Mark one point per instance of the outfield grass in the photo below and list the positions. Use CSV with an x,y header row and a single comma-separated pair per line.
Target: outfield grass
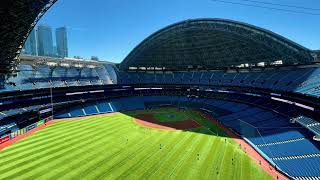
x,y
170,115
114,146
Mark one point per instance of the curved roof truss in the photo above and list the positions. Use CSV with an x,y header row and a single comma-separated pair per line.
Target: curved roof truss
x,y
18,18
214,44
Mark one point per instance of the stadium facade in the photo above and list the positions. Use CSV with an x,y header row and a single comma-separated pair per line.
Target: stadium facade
x,y
260,85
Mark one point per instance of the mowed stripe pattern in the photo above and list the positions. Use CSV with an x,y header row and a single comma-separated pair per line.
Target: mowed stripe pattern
x,y
114,147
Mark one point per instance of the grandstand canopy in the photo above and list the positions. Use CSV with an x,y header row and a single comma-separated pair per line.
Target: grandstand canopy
x,y
317,52
18,17
214,44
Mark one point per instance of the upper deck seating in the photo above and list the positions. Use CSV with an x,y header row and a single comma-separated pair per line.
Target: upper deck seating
x,y
299,80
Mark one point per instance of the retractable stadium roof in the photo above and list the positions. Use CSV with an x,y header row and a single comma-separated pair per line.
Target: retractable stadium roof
x,y
18,17
214,44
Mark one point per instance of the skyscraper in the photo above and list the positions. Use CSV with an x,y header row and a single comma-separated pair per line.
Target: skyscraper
x,y
62,42
55,52
45,43
30,46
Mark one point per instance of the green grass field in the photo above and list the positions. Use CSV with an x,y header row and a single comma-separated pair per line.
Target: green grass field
x,y
170,115
115,147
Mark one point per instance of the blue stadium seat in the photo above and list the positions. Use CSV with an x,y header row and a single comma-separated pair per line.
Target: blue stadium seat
x,y
77,111
104,107
90,109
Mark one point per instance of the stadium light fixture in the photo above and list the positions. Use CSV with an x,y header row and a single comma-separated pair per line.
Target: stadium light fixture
x,y
65,64
51,63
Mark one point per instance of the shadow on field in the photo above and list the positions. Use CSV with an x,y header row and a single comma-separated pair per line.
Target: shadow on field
x,y
171,118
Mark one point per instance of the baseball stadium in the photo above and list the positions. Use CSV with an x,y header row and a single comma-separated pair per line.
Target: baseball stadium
x,y
205,98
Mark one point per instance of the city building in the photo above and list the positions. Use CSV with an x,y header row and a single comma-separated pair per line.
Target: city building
x,y
62,42
30,46
96,58
45,43
55,52
40,42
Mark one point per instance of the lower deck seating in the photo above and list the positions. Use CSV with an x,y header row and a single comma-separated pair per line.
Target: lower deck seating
x,y
77,111
4,129
279,135
104,107
127,104
302,167
90,109
309,123
290,149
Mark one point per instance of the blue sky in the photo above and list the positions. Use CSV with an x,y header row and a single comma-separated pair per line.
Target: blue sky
x,y
110,29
